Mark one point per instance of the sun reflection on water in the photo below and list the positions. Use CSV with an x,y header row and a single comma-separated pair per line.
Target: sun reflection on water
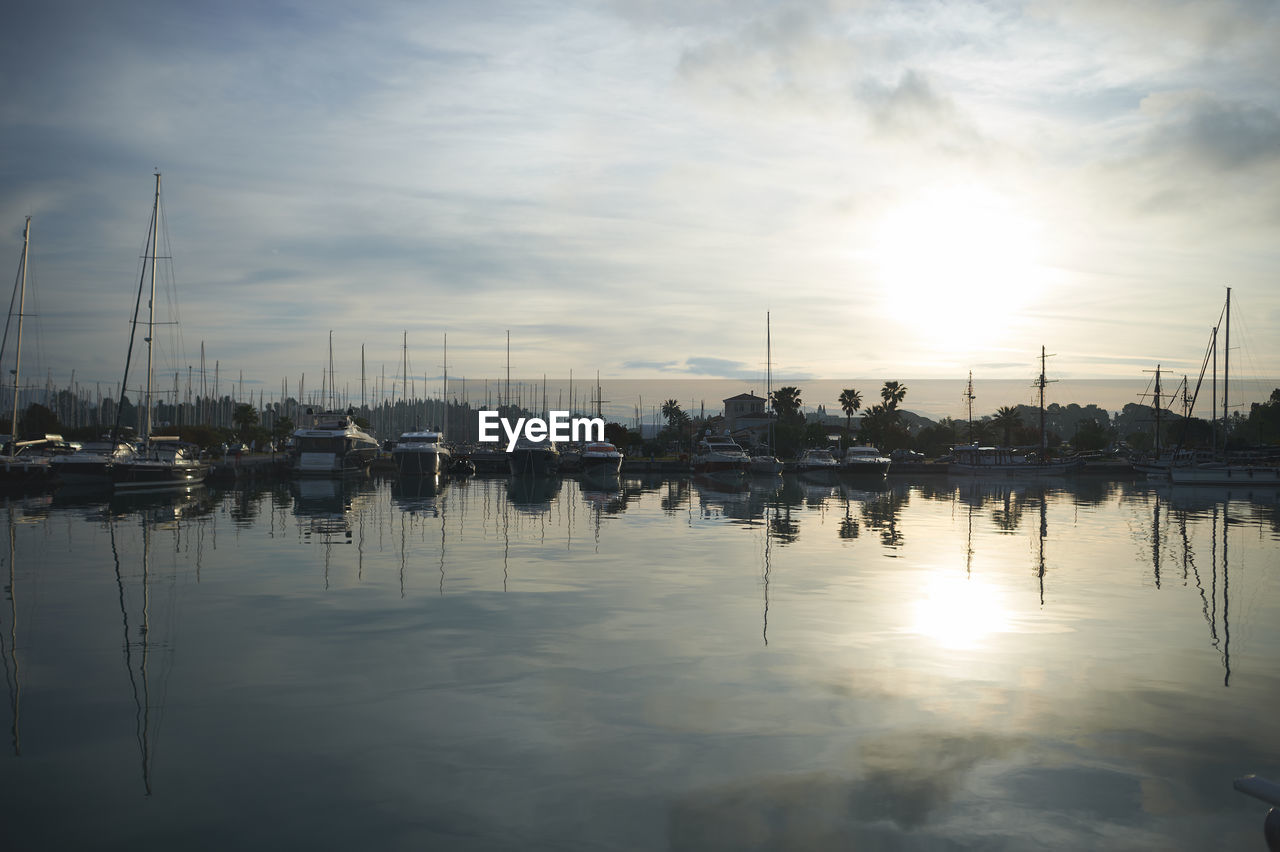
x,y
959,613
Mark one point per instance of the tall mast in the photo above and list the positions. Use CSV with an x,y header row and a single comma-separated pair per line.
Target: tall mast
x,y
17,364
444,422
1157,400
362,379
1213,392
768,377
332,379
969,398
151,304
1044,444
508,391
1226,368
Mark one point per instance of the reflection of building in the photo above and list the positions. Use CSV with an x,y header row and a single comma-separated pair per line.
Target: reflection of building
x,y
746,419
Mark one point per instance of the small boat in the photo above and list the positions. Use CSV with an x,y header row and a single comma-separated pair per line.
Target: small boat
x,y
719,454
600,458
421,453
161,462
817,461
332,446
864,461
533,458
763,464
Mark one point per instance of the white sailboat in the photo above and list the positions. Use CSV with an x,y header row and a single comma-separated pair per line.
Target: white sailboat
x,y
160,461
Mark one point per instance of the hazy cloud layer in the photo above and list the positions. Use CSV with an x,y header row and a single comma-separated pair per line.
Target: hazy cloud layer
x,y
909,188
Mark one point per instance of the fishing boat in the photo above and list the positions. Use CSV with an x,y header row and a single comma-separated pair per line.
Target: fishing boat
x,y
719,454
600,458
159,461
865,461
421,453
333,445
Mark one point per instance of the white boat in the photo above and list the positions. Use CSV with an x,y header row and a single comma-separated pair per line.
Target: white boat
x,y
864,461
332,446
719,454
163,462
158,462
817,461
764,464
600,458
421,453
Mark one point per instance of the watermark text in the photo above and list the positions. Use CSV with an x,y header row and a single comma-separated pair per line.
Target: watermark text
x,y
560,428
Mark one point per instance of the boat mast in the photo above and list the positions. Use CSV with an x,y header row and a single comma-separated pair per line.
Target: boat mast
x,y
17,363
768,377
1157,401
1226,367
969,398
444,423
1044,444
332,379
151,305
508,390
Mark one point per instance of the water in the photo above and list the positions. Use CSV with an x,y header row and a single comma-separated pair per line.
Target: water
x,y
655,664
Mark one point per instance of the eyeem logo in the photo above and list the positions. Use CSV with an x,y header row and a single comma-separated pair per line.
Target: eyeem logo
x,y
559,428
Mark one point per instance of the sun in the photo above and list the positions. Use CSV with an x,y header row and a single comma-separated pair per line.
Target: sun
x,y
957,263
959,613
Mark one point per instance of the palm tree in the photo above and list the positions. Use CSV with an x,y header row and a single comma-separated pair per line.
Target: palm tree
x,y
671,411
893,393
1006,418
786,402
850,401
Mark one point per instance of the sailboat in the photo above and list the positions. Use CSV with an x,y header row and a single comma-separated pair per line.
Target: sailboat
x,y
160,461
19,464
764,463
1224,471
1003,461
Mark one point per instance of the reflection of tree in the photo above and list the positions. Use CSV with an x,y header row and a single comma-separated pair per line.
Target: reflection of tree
x,y
1009,516
676,496
881,513
849,527
783,527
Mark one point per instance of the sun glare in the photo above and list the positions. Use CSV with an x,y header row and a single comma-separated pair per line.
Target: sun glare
x,y
956,264
958,612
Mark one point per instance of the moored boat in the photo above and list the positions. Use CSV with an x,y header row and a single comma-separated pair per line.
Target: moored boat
x,y
533,458
600,458
817,461
421,453
334,445
719,454
162,462
864,461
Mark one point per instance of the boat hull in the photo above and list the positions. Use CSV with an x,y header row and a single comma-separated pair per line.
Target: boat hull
x,y
1226,475
600,465
420,462
533,462
335,464
146,473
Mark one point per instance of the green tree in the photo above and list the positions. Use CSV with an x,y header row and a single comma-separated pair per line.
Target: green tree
x,y
674,414
1006,420
283,428
893,393
244,417
786,402
850,402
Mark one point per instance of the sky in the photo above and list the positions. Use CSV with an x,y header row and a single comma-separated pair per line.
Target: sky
x,y
910,190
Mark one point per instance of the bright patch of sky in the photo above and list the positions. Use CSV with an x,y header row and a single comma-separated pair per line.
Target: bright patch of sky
x,y
911,189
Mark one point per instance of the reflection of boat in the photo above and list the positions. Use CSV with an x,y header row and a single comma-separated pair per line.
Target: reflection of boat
x,y
333,445
864,461
532,493
600,458
534,458
719,454
420,453
417,493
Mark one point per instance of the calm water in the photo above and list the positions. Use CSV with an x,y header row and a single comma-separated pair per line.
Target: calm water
x,y
655,664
